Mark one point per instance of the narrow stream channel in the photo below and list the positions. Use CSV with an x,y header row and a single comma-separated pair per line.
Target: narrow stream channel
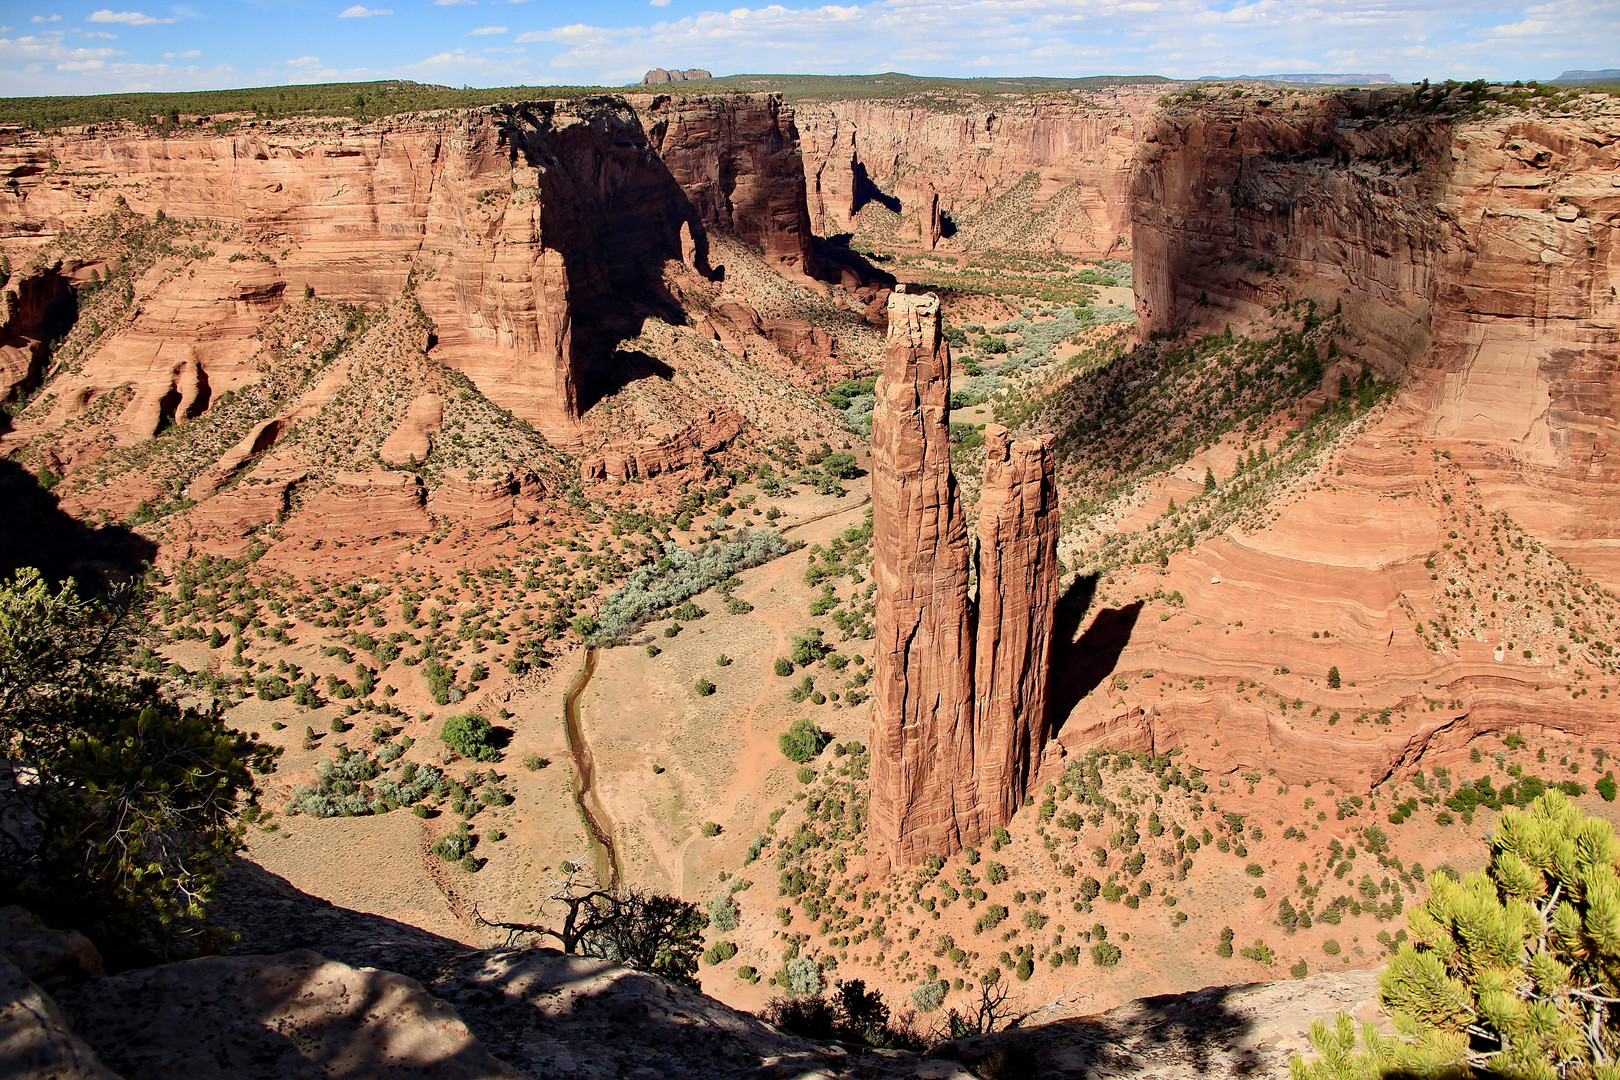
x,y
597,822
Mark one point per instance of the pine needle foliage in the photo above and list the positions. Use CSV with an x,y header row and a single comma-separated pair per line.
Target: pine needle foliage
x,y
1514,971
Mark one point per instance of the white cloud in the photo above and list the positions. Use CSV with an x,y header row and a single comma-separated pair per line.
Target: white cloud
x,y
45,18
358,12
128,18
483,30
659,3
304,62
454,3
100,35
1409,39
188,54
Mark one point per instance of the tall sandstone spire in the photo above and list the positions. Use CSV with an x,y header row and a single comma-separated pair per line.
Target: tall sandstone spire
x,y
922,775
947,768
1018,590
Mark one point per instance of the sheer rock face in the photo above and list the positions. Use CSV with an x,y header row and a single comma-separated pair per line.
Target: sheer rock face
x,y
922,775
1483,273
944,770
737,159
1018,592
33,309
537,235
1042,173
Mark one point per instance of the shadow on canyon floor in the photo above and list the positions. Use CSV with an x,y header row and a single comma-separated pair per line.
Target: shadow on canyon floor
x,y
1080,665
34,531
623,368
1173,1034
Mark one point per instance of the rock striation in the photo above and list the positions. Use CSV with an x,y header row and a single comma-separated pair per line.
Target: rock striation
x,y
961,686
535,236
34,308
924,797
1050,172
1473,255
645,458
737,159
1018,592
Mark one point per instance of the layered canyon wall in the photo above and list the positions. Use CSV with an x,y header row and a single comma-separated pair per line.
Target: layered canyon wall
x,y
1049,173
1473,254
535,236
961,685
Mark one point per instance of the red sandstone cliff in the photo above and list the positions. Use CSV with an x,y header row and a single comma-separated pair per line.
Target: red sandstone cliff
x,y
1472,253
961,688
1050,172
536,236
737,159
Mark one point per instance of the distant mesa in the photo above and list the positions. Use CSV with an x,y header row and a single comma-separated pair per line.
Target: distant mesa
x,y
659,76
1603,75
1343,79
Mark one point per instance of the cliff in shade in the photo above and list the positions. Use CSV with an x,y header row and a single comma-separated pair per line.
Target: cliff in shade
x,y
737,160
535,236
1041,174
961,687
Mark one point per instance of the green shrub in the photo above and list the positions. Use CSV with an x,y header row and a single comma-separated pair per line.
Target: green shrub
x,y
709,828
1331,947
723,913
1105,954
803,741
469,735
719,953
929,995
784,666
703,687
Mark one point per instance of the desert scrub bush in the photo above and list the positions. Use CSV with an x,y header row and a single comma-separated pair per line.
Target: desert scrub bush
x,y
803,741
710,828
703,687
783,666
929,995
1259,952
1511,971
470,735
457,846
1105,954
719,953
723,914
802,977
534,762
679,574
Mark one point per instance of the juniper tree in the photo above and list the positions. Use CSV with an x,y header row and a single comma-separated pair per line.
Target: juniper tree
x,y
1513,971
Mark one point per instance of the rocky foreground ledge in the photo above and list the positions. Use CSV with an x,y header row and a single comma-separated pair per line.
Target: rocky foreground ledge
x,y
440,1011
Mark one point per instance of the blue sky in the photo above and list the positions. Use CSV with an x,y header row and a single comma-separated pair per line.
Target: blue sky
x,y
69,47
